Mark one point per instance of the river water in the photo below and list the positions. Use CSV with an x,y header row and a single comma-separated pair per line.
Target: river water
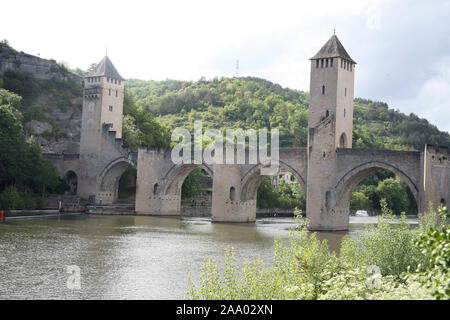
x,y
129,257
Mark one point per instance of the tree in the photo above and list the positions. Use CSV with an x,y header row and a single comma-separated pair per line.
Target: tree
x,y
360,201
394,191
12,140
192,184
267,196
21,161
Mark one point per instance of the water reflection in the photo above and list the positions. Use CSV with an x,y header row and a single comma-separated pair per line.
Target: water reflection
x,y
127,257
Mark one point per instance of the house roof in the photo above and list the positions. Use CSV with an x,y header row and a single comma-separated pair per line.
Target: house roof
x,y
333,48
105,68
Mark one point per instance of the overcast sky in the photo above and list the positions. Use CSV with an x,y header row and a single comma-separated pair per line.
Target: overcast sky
x,y
402,47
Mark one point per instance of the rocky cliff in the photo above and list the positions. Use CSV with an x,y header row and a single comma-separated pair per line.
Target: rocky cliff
x,y
52,98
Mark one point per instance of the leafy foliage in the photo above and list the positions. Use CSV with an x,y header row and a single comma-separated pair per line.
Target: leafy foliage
x,y
141,129
192,184
286,196
307,269
434,242
257,103
21,160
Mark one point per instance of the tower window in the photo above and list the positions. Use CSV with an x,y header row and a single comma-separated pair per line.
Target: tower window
x,y
343,141
326,63
321,63
109,91
345,93
331,63
323,89
110,108
317,64
344,112
351,67
232,193
342,63
116,93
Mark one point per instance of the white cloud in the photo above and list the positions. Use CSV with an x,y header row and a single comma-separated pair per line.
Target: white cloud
x,y
433,98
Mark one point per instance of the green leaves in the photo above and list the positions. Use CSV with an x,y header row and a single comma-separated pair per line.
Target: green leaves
x,y
305,268
286,196
434,242
21,161
192,184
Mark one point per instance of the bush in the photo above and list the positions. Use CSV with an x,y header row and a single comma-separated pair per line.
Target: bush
x,y
377,265
389,245
29,201
40,203
435,243
360,201
11,198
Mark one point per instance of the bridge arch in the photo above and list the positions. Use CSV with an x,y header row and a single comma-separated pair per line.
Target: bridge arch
x,y
252,179
109,179
346,184
176,175
71,179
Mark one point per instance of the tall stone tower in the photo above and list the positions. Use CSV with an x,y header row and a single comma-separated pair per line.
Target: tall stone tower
x,y
330,126
102,112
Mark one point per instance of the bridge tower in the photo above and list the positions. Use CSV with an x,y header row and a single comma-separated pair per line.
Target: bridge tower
x,y
330,126
101,115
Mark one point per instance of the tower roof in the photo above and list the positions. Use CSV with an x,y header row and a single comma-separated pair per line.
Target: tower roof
x,y
333,48
105,68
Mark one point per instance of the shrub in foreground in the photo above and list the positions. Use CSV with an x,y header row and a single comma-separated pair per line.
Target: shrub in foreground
x,y
376,265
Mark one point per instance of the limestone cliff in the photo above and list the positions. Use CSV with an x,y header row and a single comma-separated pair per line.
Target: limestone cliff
x,y
52,98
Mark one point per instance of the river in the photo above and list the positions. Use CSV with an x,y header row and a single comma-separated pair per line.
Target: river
x,y
129,257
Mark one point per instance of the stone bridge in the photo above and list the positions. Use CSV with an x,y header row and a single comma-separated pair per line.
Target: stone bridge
x,y
159,180
328,169
235,186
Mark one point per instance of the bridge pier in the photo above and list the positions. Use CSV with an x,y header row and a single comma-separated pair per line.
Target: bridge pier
x,y
227,205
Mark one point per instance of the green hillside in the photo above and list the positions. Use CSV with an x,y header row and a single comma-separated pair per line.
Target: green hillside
x,y
258,103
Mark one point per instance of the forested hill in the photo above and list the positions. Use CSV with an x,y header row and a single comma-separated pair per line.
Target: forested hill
x,y
257,103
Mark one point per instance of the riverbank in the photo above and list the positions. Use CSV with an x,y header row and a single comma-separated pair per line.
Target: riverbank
x,y
35,214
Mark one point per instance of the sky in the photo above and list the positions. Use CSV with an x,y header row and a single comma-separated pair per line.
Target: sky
x,y
402,47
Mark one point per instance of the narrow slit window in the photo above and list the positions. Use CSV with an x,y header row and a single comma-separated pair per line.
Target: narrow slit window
x,y
232,193
323,89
